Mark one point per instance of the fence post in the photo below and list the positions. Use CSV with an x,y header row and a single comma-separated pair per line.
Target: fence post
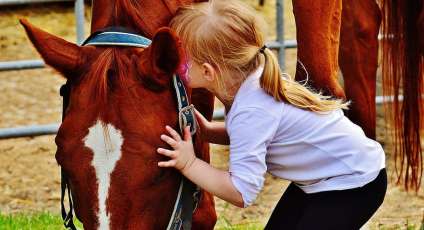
x,y
79,18
280,33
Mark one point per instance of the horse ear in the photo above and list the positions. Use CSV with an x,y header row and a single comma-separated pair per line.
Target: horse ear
x,y
166,52
62,55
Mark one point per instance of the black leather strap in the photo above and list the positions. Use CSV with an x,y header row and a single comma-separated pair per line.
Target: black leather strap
x,y
67,217
191,192
185,110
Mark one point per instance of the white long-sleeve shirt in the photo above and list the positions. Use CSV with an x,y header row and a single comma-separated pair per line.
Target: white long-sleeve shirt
x,y
318,152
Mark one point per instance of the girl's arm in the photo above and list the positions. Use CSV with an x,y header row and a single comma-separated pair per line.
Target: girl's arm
x,y
213,180
213,132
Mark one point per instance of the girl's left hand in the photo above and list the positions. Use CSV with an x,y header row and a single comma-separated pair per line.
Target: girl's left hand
x,y
182,155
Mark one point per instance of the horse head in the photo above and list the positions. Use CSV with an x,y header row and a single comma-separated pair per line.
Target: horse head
x,y
121,98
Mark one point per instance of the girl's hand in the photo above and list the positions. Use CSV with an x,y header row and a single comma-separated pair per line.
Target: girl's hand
x,y
212,131
204,124
182,155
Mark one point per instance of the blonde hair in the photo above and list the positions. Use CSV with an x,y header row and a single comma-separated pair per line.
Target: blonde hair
x,y
227,34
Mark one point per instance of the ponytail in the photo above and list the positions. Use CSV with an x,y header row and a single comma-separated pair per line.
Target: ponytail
x,y
291,91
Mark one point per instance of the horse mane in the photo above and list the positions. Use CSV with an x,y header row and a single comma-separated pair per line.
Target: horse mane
x,y
403,73
144,17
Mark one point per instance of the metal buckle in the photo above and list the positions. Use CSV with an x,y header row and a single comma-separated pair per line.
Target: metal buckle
x,y
183,119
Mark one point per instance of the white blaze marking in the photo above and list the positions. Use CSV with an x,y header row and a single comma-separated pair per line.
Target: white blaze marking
x,y
105,141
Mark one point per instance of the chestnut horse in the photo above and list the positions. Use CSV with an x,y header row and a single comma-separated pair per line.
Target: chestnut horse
x,y
120,101
345,33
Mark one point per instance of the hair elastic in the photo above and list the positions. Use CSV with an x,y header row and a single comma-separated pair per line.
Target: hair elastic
x,y
262,49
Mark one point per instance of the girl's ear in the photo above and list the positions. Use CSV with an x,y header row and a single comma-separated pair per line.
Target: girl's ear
x,y
166,52
208,72
62,55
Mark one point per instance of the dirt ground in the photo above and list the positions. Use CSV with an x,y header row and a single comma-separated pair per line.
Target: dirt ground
x,y
29,175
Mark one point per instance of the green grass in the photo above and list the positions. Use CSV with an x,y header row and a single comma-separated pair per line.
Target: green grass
x,y
47,221
37,221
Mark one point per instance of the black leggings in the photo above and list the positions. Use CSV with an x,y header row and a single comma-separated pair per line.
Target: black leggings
x,y
341,210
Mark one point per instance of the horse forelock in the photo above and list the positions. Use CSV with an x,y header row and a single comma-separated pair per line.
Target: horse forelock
x,y
111,70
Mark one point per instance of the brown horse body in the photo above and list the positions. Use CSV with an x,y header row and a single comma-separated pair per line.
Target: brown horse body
x,y
121,99
345,33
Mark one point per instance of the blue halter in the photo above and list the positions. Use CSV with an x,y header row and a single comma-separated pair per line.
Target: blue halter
x,y
116,38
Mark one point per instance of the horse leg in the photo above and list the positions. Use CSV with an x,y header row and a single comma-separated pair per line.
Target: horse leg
x,y
318,33
421,30
358,60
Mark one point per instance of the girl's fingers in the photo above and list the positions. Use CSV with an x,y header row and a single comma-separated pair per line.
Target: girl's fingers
x,y
187,134
197,112
199,116
170,163
166,152
173,133
169,140
202,121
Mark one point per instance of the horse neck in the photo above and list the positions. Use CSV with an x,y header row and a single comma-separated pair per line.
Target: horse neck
x,y
143,17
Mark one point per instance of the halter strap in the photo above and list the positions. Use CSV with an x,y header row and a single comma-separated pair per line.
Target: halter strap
x,y
188,193
114,38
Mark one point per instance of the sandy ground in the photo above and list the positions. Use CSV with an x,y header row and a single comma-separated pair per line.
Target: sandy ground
x,y
29,175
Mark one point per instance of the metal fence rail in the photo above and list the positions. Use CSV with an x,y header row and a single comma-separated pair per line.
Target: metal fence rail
x,y
21,65
34,64
32,130
36,130
22,2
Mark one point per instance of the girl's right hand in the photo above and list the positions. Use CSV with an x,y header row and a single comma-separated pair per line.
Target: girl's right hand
x,y
212,131
204,124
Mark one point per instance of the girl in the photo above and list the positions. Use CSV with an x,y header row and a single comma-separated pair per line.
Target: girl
x,y
273,124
